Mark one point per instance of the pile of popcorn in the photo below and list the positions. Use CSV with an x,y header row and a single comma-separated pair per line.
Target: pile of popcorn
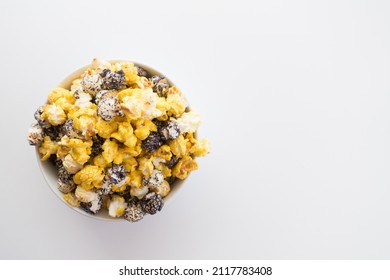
x,y
119,138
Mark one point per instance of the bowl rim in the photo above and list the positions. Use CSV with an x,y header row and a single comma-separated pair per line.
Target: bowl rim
x,y
44,165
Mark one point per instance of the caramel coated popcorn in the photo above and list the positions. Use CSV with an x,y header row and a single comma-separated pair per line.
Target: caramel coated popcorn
x,y
120,138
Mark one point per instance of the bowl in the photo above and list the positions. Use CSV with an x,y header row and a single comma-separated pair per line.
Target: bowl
x,y
49,171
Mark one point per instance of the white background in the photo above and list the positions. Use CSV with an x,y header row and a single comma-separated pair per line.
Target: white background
x,y
294,97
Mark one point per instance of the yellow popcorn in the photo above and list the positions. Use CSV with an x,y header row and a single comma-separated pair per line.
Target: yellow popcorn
x,y
58,93
200,148
163,152
176,100
84,120
142,132
48,148
131,73
85,111
166,171
184,167
128,92
125,135
54,114
191,138
64,104
143,123
90,176
110,150
86,125
136,179
71,199
179,146
130,163
100,161
77,148
163,105
121,187
144,83
76,84
104,128
146,166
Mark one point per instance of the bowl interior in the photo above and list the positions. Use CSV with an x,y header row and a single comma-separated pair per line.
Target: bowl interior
x,y
49,171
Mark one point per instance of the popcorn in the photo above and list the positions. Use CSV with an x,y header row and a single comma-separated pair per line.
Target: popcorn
x,y
134,213
84,100
117,206
100,161
142,132
163,152
179,146
77,148
136,179
89,177
139,192
154,180
189,122
90,201
47,148
71,199
38,117
152,203
120,137
59,93
115,180
71,165
84,195
92,83
92,207
54,114
104,128
183,167
163,189
146,166
131,73
176,101
141,104
35,134
69,129
109,107
200,148
165,170
110,150
113,80
125,135
160,85
100,64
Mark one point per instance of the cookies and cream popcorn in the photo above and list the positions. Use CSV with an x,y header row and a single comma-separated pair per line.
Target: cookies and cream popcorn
x,y
35,135
108,105
120,136
92,83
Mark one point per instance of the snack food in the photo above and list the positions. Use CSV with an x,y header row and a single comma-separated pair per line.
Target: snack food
x,y
119,138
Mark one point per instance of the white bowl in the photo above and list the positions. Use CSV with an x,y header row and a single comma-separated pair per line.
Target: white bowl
x,y
49,171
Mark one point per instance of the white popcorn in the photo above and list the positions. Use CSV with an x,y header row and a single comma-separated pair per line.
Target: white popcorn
x,y
141,104
85,195
71,165
117,206
189,122
139,192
